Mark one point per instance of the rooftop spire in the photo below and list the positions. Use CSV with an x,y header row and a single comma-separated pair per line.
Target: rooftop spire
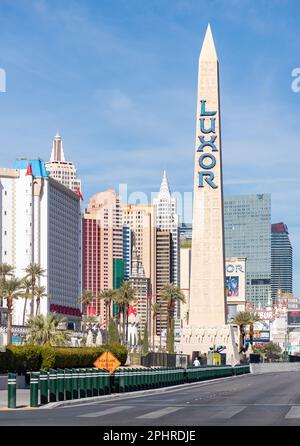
x,y
164,186
57,153
208,51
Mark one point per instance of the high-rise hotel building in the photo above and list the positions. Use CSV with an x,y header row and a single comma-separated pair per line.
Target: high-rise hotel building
x,y
103,266
167,219
141,220
247,220
41,223
282,259
61,170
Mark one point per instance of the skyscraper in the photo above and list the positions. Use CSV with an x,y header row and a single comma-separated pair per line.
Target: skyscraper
x,y
282,260
103,267
140,218
41,223
167,219
127,250
61,170
141,286
163,275
248,234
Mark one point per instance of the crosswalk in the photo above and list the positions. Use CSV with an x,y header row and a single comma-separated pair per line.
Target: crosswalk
x,y
215,412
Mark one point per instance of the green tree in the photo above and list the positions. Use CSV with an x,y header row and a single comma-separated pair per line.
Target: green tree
x,y
113,334
170,338
44,330
242,319
86,299
5,270
125,295
155,310
253,317
107,296
10,290
171,294
35,272
145,340
40,292
26,283
270,351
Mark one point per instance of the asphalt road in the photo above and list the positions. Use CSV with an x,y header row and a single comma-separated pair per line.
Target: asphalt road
x,y
271,399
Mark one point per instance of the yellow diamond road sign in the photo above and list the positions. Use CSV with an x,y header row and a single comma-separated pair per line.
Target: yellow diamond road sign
x,y
108,362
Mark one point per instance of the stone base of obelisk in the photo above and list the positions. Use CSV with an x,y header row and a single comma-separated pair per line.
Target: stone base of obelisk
x,y
200,339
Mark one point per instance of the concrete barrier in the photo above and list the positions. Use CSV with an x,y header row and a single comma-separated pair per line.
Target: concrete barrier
x,y
274,367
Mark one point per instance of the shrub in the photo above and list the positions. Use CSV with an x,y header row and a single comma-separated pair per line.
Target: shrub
x,y
20,358
34,358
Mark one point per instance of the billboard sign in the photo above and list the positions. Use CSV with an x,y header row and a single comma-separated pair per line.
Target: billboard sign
x,y
266,315
232,285
294,318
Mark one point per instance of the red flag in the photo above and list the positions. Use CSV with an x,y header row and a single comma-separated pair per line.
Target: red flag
x,y
29,170
92,311
131,310
77,192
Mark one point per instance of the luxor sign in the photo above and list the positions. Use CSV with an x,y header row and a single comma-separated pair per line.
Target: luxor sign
x,y
207,160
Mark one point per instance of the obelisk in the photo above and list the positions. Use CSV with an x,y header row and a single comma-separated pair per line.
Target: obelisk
x,y
206,324
207,292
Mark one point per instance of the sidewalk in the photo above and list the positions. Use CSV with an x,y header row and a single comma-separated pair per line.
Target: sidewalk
x,y
23,398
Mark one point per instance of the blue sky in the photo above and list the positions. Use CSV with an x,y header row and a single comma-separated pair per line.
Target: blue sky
x,y
118,79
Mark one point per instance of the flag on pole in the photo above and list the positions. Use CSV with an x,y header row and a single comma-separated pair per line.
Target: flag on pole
x,y
77,192
29,170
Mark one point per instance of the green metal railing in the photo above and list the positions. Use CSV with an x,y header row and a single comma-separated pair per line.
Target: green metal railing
x,y
67,384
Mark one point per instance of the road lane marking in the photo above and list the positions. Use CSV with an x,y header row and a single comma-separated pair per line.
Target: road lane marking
x,y
294,412
105,412
229,412
159,413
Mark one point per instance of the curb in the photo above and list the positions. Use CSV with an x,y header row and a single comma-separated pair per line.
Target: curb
x,y
136,394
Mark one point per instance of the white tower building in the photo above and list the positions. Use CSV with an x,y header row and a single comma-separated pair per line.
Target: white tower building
x,y
167,219
41,223
61,170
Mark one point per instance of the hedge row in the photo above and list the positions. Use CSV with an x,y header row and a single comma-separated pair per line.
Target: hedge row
x,y
33,358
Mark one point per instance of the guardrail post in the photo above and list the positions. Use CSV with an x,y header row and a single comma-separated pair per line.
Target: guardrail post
x,y
34,389
61,384
75,384
82,384
52,385
88,383
95,389
11,390
44,387
68,384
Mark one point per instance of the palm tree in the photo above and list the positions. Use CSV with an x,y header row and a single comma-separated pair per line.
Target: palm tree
x,y
5,270
155,310
125,295
34,271
253,317
86,299
171,294
26,285
10,290
39,293
43,330
242,319
108,296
